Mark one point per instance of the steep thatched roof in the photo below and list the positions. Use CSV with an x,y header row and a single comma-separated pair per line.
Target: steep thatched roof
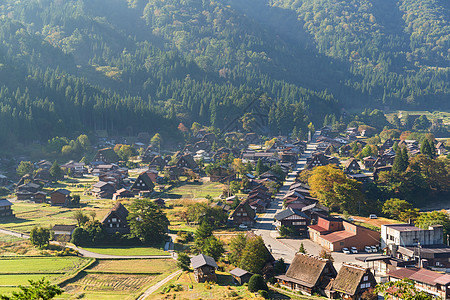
x,y
307,269
348,279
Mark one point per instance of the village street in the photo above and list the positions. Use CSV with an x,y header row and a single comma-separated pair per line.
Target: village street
x,y
286,248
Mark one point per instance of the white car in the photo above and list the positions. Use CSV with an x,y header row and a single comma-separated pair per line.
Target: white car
x,y
354,250
243,226
373,216
368,249
345,250
374,249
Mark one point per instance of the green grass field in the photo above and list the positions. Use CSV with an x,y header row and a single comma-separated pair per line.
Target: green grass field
x,y
198,191
6,238
128,251
41,265
18,271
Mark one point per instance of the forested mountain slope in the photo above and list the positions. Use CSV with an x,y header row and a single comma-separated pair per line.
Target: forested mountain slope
x,y
70,66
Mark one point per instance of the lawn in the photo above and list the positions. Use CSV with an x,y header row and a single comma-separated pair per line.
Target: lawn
x,y
114,279
128,251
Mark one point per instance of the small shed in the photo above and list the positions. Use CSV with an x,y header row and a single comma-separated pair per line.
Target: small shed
x,y
60,197
64,231
241,276
204,268
5,208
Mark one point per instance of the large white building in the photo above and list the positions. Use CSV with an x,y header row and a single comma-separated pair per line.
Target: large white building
x,y
410,235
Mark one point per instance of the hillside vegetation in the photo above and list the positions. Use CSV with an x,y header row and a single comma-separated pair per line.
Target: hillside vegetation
x,y
145,65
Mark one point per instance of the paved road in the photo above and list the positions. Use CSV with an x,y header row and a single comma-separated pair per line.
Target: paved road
x,y
152,289
286,248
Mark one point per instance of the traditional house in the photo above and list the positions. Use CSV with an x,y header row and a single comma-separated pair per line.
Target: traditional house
x,y
43,164
258,205
240,276
143,183
187,162
378,170
294,219
106,155
40,197
60,197
63,232
225,207
308,274
122,193
368,162
440,148
104,190
433,283
351,166
243,214
334,234
345,150
5,208
314,211
116,220
204,268
158,162
318,159
351,282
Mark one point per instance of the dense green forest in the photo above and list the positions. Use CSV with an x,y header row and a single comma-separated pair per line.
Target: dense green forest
x,y
74,66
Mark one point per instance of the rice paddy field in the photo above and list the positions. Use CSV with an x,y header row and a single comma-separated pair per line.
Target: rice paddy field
x,y
118,279
17,271
127,251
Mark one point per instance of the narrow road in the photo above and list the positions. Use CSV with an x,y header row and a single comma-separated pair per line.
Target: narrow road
x,y
153,288
265,227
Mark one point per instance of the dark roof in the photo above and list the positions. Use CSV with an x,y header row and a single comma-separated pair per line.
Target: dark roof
x,y
119,210
315,205
307,269
64,227
289,212
62,191
250,212
239,272
147,180
202,260
348,279
5,202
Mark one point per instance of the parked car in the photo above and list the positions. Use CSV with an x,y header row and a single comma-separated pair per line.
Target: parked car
x,y
373,216
345,250
354,250
243,226
368,249
374,249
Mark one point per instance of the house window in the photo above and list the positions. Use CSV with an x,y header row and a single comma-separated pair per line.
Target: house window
x,y
244,214
341,243
365,285
298,223
238,214
114,220
366,278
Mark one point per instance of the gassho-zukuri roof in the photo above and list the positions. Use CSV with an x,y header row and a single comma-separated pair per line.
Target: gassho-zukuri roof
x,y
239,272
305,270
348,279
64,227
202,260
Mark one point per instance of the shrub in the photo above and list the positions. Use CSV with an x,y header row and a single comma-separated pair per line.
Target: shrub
x,y
257,283
264,293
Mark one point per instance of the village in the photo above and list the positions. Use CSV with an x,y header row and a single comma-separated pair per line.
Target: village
x,y
234,216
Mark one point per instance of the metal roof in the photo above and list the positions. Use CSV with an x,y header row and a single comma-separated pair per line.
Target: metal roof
x,y
5,202
239,272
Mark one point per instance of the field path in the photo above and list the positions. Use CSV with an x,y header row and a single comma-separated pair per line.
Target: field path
x,y
152,289
86,253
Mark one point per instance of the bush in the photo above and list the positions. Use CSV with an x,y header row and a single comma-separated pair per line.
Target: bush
x,y
263,293
257,283
183,261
